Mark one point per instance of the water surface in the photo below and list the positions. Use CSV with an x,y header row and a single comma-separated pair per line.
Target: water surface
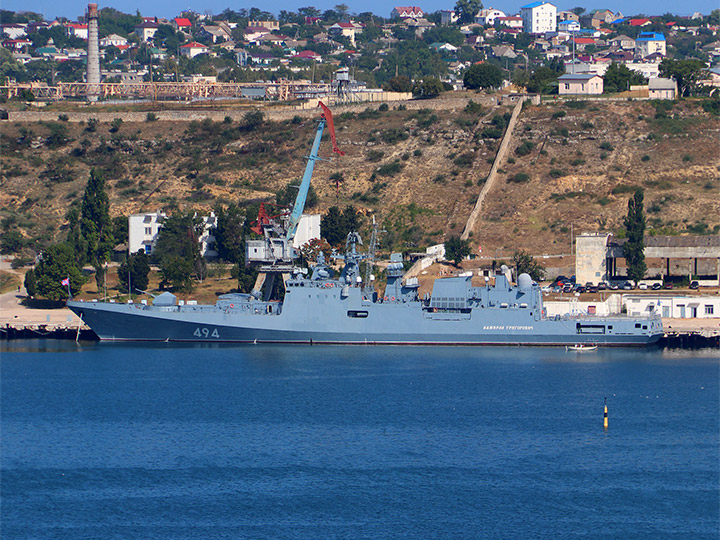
x,y
107,441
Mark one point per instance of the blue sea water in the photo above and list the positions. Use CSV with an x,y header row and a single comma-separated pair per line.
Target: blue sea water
x,y
164,442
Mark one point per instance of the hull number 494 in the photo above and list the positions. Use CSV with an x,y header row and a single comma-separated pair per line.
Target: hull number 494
x,y
206,333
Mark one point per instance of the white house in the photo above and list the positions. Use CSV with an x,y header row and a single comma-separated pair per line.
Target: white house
x,y
539,17
580,83
14,31
648,43
676,307
192,49
568,26
77,30
113,40
510,21
143,230
660,88
146,30
488,16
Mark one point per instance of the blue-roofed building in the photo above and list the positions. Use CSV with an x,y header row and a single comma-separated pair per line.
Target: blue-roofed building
x,y
568,26
539,17
648,43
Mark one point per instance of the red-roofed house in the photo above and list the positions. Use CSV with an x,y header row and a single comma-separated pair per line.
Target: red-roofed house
x,y
404,12
16,44
347,29
639,22
77,30
192,49
308,55
582,42
182,23
312,20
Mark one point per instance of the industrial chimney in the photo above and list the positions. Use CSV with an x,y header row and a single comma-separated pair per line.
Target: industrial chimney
x,y
93,54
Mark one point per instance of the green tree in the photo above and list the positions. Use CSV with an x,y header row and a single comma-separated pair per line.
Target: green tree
x,y
467,10
484,76
619,78
30,283
96,226
177,251
543,80
430,87
232,228
634,247
335,224
137,269
58,262
685,72
120,229
456,249
401,83
525,264
12,242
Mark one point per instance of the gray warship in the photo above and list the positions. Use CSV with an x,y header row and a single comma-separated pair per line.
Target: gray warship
x,y
321,306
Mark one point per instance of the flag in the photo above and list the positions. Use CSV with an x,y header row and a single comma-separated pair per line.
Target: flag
x,y
66,282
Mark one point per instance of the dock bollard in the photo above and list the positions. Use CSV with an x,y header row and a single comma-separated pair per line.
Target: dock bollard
x,y
605,417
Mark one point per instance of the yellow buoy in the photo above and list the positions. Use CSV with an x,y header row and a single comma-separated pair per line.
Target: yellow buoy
x,y
605,417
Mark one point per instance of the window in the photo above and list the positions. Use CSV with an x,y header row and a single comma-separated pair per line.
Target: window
x,y
709,310
357,314
148,230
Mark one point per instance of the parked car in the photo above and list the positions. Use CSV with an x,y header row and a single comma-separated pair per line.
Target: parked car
x,y
656,286
614,287
694,285
627,286
557,289
602,286
668,285
580,289
567,288
592,289
643,286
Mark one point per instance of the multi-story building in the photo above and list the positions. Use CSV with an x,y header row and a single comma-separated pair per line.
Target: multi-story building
x,y
539,17
648,43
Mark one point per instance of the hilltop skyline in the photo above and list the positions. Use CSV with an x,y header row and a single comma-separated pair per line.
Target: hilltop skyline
x,y
72,9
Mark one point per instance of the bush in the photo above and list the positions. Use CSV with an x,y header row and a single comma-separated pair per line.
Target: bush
x,y
576,104
623,188
92,124
525,148
373,156
687,158
473,108
115,125
464,160
491,133
606,146
645,158
390,169
383,107
556,173
394,135
559,114
519,178
63,118
151,117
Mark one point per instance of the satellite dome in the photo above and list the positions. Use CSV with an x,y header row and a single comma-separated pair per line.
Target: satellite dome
x,y
525,281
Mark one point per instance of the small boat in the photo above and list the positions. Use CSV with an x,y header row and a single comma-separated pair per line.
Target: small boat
x,y
581,347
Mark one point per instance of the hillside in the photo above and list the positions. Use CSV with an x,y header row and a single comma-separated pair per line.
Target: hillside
x,y
418,170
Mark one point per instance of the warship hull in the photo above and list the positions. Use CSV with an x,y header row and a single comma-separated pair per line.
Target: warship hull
x,y
321,314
